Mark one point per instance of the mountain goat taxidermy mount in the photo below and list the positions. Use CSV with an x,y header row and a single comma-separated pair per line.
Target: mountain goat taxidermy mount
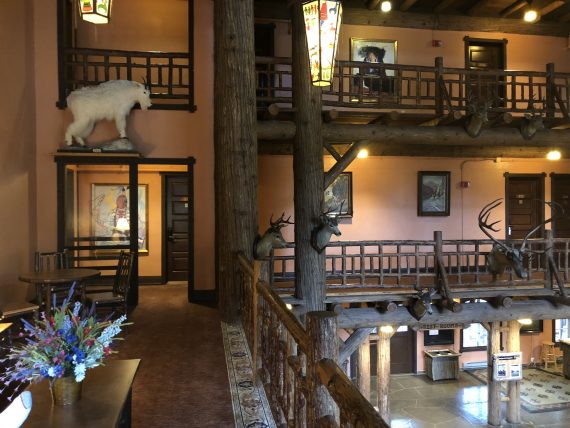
x,y
272,238
328,224
112,100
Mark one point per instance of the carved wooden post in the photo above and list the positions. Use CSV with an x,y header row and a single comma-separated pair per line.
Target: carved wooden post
x,y
363,368
322,330
514,387
254,315
549,251
493,386
385,333
438,92
308,171
235,146
550,91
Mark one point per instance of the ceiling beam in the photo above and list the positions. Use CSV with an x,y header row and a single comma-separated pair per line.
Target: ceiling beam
x,y
407,4
359,16
551,7
471,313
373,4
478,7
443,5
509,10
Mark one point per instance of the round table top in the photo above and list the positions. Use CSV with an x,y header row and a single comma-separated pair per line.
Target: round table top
x,y
59,276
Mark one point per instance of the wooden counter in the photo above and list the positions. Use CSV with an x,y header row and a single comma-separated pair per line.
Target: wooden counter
x,y
105,400
441,364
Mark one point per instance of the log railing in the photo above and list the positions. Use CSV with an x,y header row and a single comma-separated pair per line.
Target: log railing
x,y
297,365
399,268
169,74
438,88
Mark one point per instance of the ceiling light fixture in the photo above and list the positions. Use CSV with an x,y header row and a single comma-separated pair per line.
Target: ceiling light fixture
x,y
554,155
386,6
525,321
530,16
362,154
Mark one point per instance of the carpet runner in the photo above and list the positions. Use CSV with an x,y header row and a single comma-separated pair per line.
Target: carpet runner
x,y
540,391
251,409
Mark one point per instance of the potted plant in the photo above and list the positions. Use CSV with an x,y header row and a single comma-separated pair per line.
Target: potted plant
x,y
61,348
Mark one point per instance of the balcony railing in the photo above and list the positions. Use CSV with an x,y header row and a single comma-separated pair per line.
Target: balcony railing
x,y
169,74
437,88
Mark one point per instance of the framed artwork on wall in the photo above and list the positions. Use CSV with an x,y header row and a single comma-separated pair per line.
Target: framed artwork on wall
x,y
110,214
338,194
433,193
371,80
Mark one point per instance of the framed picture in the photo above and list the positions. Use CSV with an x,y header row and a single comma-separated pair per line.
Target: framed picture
x,y
110,214
338,196
433,193
371,80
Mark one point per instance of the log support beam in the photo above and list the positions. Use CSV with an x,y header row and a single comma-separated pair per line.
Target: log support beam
x,y
514,387
385,333
493,386
353,342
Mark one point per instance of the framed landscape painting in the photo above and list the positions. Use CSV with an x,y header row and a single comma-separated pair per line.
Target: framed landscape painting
x,y
338,196
433,193
110,215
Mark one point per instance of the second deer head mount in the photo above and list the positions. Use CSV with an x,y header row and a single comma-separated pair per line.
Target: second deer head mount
x,y
272,238
503,255
533,121
477,117
328,225
421,304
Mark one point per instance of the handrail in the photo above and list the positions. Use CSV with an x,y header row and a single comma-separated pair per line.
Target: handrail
x,y
288,366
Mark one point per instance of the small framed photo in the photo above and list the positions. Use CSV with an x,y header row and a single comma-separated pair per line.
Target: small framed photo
x,y
433,193
338,196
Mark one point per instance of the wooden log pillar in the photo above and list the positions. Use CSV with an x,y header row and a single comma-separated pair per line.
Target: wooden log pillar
x,y
385,333
363,369
514,387
550,92
308,171
438,91
493,386
235,147
322,331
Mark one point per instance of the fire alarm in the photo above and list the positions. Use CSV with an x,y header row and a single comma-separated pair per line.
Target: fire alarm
x,y
437,43
464,184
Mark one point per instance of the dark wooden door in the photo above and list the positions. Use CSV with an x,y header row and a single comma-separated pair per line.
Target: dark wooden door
x,y
525,204
177,201
561,195
483,54
402,353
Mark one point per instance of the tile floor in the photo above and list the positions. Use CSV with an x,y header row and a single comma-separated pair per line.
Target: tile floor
x,y
418,402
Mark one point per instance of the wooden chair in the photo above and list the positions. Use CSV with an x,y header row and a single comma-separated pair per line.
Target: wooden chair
x,y
117,298
47,261
12,311
548,354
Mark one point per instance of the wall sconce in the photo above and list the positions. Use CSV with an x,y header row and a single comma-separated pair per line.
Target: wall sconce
x,y
322,23
95,11
362,154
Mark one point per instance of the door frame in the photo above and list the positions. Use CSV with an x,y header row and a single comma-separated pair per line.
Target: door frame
x,y
554,183
540,176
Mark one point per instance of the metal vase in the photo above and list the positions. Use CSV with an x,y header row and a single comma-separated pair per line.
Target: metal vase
x,y
65,391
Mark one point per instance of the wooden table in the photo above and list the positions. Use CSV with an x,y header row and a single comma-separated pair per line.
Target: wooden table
x,y
47,278
105,400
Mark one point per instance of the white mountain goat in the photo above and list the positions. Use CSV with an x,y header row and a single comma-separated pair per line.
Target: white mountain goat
x,y
112,100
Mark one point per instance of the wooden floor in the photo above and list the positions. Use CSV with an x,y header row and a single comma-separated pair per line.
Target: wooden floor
x,y
182,380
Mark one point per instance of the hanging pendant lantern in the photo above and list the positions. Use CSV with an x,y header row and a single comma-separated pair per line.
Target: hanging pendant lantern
x,y
95,11
322,23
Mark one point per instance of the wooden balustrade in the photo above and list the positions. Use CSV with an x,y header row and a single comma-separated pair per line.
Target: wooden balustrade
x,y
297,367
385,270
435,88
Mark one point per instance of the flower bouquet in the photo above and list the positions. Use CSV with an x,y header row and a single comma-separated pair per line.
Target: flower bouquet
x,y
61,347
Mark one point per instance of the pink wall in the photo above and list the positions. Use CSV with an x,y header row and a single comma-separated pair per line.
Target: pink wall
x,y
17,145
156,133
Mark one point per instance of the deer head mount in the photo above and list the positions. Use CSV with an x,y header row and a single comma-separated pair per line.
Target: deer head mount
x,y
503,255
421,304
533,121
328,224
477,117
272,238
